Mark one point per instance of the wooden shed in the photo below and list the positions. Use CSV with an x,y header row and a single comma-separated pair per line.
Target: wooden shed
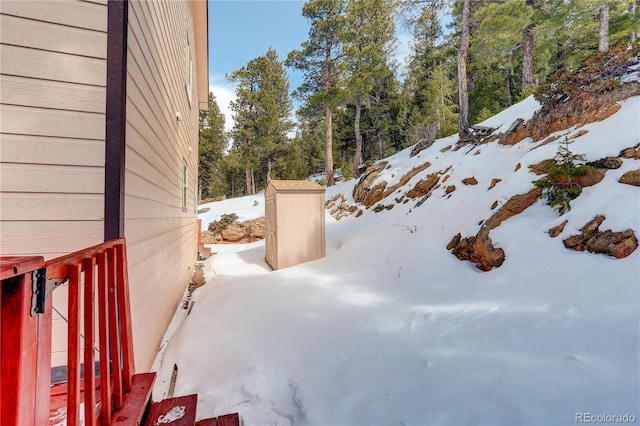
x,y
294,217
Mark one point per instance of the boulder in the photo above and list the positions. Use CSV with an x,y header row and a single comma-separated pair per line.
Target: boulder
x,y
365,192
632,177
233,233
478,250
557,230
591,239
470,181
609,163
515,205
424,186
494,182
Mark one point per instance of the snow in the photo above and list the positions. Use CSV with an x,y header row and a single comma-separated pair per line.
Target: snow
x,y
391,328
175,413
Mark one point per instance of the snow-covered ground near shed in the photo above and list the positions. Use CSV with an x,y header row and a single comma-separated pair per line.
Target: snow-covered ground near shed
x,y
390,328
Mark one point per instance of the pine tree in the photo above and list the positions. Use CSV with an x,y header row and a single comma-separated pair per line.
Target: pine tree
x,y
559,188
262,116
369,43
211,150
320,58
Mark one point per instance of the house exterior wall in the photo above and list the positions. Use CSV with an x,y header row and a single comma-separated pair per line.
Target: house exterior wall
x,y
294,222
52,126
162,139
52,144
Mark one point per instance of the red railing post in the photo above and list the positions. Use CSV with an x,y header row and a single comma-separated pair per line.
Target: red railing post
x,y
73,352
24,386
124,307
114,336
89,343
25,345
103,331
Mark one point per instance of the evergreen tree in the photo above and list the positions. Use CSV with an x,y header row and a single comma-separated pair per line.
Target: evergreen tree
x,y
319,58
262,117
430,78
211,149
368,44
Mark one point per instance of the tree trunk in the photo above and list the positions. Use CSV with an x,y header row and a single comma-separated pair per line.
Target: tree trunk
x,y
248,176
527,58
508,79
269,167
604,27
463,94
357,157
328,82
633,15
380,144
329,146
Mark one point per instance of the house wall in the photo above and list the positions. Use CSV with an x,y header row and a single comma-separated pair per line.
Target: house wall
x,y
162,137
52,145
52,126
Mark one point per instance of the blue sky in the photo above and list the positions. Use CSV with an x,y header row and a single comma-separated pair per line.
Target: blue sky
x,y
242,30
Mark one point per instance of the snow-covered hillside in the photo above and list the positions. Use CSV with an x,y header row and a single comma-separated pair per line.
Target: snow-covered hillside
x,y
391,328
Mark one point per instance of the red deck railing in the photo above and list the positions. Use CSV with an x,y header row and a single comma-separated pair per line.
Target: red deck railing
x,y
25,326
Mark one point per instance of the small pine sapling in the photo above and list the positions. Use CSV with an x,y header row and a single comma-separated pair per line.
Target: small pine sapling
x,y
559,188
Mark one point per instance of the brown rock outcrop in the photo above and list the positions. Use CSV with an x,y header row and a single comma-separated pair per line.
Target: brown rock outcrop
x,y
494,182
229,230
424,186
479,250
591,239
608,163
557,230
515,205
576,112
364,192
632,177
367,195
590,178
633,152
470,181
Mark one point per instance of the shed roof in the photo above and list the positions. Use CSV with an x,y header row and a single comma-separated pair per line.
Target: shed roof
x,y
296,186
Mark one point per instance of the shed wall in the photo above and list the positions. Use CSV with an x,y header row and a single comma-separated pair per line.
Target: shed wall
x,y
295,223
300,228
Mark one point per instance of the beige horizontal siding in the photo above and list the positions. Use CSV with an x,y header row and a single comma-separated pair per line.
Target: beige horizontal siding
x,y
24,91
19,31
78,14
52,94
55,207
30,178
55,238
161,237
50,122
51,150
46,65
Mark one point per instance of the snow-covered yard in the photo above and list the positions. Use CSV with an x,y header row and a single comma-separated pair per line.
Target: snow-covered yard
x,y
390,328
